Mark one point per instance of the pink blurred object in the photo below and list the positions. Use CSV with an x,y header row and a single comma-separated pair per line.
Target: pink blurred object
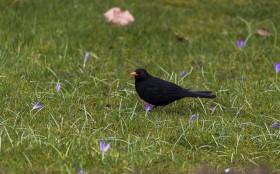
x,y
116,16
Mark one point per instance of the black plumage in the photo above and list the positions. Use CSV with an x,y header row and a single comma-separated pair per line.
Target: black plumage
x,y
159,92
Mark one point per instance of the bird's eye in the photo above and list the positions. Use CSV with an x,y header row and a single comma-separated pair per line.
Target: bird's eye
x,y
142,73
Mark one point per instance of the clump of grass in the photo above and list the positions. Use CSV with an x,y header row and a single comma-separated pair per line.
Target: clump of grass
x,y
46,44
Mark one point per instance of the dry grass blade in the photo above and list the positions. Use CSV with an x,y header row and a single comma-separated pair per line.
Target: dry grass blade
x,y
181,38
263,32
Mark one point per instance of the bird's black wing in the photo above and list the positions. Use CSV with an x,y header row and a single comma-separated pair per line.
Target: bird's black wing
x,y
159,92
171,89
158,86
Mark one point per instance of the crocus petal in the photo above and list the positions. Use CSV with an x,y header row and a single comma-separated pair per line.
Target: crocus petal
x,y
277,67
240,43
192,117
107,147
57,87
37,106
148,107
81,172
183,73
275,125
86,57
102,145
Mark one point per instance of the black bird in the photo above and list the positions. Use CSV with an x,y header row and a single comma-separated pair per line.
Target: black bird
x,y
159,92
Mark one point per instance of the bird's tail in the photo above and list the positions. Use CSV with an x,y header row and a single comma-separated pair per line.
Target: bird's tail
x,y
200,94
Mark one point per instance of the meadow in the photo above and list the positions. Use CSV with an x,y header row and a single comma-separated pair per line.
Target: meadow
x,y
43,45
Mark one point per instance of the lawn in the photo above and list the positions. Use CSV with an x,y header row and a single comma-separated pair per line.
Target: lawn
x,y
43,44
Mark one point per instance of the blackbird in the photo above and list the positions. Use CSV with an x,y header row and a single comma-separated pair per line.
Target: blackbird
x,y
159,92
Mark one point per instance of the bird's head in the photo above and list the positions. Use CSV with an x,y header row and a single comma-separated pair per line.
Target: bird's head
x,y
140,74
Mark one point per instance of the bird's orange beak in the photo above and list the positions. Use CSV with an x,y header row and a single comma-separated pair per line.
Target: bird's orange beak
x,y
134,73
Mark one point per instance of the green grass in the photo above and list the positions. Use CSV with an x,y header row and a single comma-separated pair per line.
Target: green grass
x,y
44,42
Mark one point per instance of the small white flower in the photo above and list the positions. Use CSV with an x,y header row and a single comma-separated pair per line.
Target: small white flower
x,y
227,170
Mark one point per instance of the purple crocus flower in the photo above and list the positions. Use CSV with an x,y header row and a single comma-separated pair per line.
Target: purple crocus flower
x,y
148,107
192,117
57,87
275,125
104,148
277,67
37,106
86,57
81,172
183,73
240,43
